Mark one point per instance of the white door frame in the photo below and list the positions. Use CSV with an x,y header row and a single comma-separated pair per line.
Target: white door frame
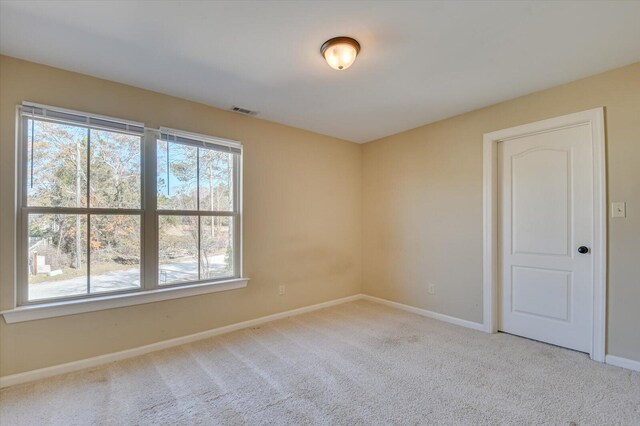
x,y
595,119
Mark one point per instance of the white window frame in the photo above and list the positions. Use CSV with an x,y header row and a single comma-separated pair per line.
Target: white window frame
x,y
205,142
150,290
24,210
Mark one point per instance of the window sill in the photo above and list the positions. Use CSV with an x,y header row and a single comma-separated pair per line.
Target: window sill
x,y
71,307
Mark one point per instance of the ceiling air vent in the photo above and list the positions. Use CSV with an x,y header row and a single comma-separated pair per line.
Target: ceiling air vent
x,y
243,110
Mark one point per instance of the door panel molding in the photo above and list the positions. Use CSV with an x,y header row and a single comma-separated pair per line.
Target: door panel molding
x,y
565,288
517,163
594,118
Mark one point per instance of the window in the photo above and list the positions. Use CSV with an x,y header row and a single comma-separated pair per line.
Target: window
x,y
109,207
197,209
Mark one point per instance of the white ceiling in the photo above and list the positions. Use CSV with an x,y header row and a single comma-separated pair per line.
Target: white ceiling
x,y
420,61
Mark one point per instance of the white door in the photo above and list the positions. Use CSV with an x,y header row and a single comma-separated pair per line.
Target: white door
x,y
545,196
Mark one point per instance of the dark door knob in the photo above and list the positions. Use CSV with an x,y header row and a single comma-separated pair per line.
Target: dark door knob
x,y
583,249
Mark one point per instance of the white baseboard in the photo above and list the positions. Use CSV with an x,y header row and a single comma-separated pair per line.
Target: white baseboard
x,y
69,367
622,362
426,313
97,361
82,364
609,359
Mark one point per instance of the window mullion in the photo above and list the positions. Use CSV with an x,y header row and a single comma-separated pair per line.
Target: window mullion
x,y
22,249
195,213
88,254
88,214
197,178
150,216
237,220
199,217
23,260
199,248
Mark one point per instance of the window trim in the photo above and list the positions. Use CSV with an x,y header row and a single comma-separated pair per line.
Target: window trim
x,y
27,111
150,289
59,308
204,142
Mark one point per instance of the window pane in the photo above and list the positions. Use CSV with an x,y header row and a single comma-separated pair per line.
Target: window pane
x,y
177,176
56,164
115,170
177,249
216,247
216,180
57,255
115,253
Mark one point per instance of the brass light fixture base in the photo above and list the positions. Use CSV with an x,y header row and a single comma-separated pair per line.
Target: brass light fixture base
x,y
336,40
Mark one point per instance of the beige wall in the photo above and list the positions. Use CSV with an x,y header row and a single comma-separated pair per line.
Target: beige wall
x,y
326,217
302,220
422,203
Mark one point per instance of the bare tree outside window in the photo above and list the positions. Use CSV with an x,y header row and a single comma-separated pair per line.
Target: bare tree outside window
x,y
72,172
198,181
88,225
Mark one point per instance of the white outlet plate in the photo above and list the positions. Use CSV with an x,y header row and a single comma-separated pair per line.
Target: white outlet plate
x,y
619,209
281,290
431,288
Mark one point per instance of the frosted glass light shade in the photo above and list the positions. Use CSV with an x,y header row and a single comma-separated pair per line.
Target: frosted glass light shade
x,y
340,52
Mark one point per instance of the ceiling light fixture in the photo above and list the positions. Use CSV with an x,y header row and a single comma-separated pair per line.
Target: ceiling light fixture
x,y
340,52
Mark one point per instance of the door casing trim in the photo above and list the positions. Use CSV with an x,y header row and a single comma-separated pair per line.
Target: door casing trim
x,y
595,119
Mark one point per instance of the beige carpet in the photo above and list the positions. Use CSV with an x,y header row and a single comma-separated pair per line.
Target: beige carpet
x,y
354,364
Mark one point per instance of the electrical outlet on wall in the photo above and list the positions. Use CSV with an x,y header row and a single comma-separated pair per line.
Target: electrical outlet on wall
x,y
281,290
431,288
619,209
